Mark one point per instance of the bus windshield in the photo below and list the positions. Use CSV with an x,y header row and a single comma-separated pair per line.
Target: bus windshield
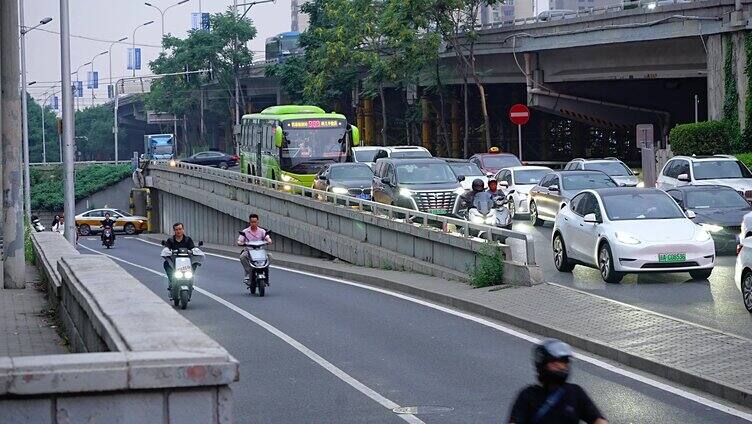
x,y
307,150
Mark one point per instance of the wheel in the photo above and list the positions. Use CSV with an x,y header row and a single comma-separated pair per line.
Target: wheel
x,y
511,206
606,265
223,165
253,286
183,299
176,301
108,246
701,274
84,230
561,260
537,222
262,289
747,290
130,229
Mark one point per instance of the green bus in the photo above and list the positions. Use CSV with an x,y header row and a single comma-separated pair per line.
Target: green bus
x,y
294,142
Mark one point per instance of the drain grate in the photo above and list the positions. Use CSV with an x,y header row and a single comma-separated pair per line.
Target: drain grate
x,y
422,410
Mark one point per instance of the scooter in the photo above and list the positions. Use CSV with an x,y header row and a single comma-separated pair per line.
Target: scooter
x,y
259,278
489,210
108,238
184,262
37,224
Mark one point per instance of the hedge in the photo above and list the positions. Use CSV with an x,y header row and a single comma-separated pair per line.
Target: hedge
x,y
701,138
47,185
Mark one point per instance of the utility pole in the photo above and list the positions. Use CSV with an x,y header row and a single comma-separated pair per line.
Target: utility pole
x,y
68,125
14,266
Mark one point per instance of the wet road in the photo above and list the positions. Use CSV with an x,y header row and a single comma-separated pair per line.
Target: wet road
x,y
400,351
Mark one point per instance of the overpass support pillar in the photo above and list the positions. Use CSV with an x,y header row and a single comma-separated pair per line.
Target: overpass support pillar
x,y
727,79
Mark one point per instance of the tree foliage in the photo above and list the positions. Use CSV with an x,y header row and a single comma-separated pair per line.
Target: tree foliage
x,y
35,132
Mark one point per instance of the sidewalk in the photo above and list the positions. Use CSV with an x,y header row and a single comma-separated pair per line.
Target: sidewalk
x,y
686,353
25,330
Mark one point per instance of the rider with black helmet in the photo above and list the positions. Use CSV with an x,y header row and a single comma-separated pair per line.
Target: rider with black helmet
x,y
554,401
467,198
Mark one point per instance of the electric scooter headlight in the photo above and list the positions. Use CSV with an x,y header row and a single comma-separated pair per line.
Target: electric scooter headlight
x,y
491,220
188,274
476,218
178,274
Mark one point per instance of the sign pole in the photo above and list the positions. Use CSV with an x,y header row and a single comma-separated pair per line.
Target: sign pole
x,y
519,140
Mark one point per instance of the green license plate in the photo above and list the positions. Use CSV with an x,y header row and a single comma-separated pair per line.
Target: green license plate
x,y
438,211
672,257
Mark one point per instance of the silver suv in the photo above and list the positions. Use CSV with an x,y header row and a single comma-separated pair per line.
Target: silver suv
x,y
613,167
706,170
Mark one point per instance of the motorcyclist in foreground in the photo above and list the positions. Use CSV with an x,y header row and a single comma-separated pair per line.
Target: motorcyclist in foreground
x,y
252,233
466,200
177,241
493,186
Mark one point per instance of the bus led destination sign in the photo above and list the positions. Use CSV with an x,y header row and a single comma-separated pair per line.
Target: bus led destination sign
x,y
315,123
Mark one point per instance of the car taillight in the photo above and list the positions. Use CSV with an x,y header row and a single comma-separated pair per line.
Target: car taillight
x,y
235,158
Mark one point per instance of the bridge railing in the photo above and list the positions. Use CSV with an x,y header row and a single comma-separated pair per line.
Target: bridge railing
x,y
429,221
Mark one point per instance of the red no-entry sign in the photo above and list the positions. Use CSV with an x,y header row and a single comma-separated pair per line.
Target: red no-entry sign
x,y
519,114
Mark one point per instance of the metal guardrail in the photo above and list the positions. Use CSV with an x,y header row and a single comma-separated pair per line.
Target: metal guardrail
x,y
90,162
490,234
592,11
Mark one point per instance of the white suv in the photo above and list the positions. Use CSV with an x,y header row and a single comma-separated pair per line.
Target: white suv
x,y
708,170
616,169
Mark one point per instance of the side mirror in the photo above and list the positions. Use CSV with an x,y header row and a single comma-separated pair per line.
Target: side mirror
x,y
636,173
460,178
355,135
691,214
504,183
554,188
683,177
278,136
163,243
323,177
200,243
591,218
386,181
241,233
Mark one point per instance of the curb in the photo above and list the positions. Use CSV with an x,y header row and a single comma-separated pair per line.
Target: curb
x,y
705,384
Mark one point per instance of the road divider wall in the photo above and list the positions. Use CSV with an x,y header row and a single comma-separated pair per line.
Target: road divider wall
x,y
215,204
137,360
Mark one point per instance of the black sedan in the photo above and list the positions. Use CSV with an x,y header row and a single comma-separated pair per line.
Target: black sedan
x,y
211,158
352,179
717,209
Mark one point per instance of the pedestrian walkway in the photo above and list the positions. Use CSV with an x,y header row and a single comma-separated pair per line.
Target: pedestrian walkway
x,y
26,329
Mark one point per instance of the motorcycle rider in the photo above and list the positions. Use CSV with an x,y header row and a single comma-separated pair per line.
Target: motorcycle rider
x,y
108,222
177,241
252,233
493,186
467,199
554,400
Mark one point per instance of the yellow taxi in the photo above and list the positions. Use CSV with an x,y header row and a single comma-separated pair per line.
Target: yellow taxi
x,y
91,221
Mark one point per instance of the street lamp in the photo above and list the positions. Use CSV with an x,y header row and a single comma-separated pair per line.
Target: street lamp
x,y
76,73
92,73
24,107
109,52
134,44
44,142
165,11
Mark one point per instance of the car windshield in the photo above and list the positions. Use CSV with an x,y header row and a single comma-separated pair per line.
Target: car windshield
x,y
586,181
613,168
719,169
410,154
638,206
364,155
356,172
425,173
122,212
466,169
529,177
715,199
500,161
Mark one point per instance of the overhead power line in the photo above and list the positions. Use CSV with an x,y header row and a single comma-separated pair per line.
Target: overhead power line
x,y
99,40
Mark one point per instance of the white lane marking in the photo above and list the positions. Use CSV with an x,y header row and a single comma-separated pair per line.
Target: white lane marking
x,y
589,359
357,385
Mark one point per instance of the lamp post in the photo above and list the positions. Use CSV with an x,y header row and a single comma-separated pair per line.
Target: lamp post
x,y
92,74
109,52
162,12
44,141
76,73
68,124
24,107
133,40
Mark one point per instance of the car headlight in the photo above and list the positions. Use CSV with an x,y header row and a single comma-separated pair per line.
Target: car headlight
x,y
178,274
626,238
287,187
338,190
711,228
459,191
641,184
286,178
405,192
172,162
701,235
188,274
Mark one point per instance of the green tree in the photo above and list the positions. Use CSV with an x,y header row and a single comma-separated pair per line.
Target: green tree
x,y
35,132
94,138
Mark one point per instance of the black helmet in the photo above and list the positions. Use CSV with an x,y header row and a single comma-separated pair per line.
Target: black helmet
x,y
549,351
478,184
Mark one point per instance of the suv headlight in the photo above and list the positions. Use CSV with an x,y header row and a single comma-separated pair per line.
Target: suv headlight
x,y
701,235
405,192
711,228
338,190
626,238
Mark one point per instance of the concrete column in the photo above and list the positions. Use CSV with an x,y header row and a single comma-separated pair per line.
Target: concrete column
x,y
714,45
740,62
12,182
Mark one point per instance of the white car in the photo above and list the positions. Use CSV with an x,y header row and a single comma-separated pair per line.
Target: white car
x,y
743,274
365,154
630,230
517,182
713,170
469,171
616,169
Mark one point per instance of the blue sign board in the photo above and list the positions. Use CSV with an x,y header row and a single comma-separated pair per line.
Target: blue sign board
x,y
134,59
54,102
200,21
92,79
78,89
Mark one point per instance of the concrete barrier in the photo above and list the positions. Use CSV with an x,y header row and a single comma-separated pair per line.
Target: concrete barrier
x,y
215,204
144,362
